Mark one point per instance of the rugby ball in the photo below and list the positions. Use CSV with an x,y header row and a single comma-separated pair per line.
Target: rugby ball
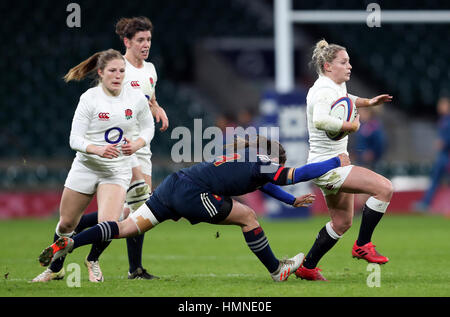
x,y
342,109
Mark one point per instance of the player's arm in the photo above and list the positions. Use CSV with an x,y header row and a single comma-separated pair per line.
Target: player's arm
x,y
159,113
146,131
375,101
77,140
322,101
278,193
288,176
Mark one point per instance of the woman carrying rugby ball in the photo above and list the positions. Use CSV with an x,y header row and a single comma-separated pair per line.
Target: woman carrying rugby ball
x,y
339,185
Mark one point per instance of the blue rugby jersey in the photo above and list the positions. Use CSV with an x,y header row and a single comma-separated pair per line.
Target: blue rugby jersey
x,y
235,175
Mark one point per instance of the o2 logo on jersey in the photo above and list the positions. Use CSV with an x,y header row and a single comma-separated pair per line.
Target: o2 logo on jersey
x,y
103,116
118,137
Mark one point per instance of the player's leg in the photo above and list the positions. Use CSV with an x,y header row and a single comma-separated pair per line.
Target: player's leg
x,y
87,221
341,212
110,198
254,236
139,222
71,208
137,194
380,189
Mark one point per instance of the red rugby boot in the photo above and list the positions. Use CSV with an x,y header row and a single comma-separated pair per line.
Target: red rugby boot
x,y
368,253
310,274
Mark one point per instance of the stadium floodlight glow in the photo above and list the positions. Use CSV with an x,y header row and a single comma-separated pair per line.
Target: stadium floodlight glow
x,y
285,17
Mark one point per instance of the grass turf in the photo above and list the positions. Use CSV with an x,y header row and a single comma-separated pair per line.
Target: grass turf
x,y
195,261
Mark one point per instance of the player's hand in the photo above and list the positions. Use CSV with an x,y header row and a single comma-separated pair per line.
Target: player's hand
x,y
160,115
130,147
304,201
355,124
345,160
109,151
379,100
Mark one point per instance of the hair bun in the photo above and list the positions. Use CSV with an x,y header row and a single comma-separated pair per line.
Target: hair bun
x,y
121,26
321,44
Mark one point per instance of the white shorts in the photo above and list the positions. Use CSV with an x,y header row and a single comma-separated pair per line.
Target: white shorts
x,y
85,180
331,182
144,161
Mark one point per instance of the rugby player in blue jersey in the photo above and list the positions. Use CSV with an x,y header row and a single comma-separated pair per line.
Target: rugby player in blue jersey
x,y
201,193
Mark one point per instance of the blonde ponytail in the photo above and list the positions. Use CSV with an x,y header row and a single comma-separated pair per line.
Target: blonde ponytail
x,y
80,71
90,66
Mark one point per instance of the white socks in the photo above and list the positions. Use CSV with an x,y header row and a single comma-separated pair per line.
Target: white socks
x,y
331,232
377,205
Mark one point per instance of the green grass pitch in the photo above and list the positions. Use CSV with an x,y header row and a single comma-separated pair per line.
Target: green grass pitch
x,y
214,261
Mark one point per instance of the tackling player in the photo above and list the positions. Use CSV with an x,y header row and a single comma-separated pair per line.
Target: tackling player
x,y
202,193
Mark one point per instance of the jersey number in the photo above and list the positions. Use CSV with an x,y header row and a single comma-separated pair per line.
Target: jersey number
x,y
223,159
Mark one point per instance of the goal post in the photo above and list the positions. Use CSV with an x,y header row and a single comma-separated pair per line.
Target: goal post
x,y
285,17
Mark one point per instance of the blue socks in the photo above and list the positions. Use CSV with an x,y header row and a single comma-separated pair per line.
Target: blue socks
x,y
87,221
134,246
102,232
97,249
258,243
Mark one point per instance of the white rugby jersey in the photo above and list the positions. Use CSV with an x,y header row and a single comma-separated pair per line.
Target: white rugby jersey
x,y
143,78
101,119
320,97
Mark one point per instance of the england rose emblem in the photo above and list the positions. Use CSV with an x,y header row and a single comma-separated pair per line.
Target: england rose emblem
x,y
128,114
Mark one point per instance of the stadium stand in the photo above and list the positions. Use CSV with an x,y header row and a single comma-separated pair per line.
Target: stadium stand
x,y
38,106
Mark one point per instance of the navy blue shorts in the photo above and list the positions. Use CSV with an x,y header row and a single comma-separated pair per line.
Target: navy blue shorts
x,y
179,196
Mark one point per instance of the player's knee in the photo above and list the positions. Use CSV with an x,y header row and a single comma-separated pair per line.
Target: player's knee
x,y
342,225
387,190
250,219
65,226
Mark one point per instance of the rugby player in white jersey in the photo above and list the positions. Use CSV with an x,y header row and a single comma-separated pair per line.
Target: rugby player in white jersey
x,y
136,35
103,135
339,185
